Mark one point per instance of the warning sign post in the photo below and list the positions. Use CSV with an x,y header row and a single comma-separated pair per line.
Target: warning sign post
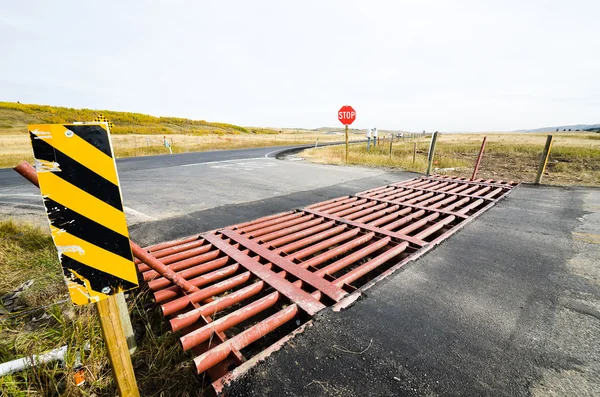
x,y
77,176
346,115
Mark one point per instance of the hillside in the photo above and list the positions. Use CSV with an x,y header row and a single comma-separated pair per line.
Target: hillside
x,y
14,118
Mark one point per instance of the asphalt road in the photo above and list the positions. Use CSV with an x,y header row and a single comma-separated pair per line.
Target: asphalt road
x,y
9,178
177,186
509,306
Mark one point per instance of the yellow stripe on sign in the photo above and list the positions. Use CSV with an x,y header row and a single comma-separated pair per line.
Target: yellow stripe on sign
x,y
78,149
94,256
83,294
81,202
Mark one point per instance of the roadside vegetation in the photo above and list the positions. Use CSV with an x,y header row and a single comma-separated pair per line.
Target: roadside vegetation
x,y
575,157
136,134
42,318
14,116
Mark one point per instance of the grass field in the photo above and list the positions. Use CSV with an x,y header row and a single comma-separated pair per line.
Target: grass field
x,y
575,157
44,320
15,148
136,134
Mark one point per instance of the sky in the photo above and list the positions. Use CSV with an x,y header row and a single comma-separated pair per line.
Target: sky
x,y
409,65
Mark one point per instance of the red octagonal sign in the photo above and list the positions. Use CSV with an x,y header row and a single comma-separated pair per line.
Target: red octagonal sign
x,y
347,115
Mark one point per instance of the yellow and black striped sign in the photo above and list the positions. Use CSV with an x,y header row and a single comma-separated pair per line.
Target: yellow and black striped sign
x,y
79,183
103,119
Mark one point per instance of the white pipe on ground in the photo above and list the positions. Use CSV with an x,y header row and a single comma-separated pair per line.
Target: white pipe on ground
x,y
20,364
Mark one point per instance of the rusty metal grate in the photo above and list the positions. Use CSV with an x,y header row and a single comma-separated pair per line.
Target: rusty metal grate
x,y
262,280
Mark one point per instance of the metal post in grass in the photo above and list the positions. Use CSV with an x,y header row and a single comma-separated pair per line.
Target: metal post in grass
x,y
390,149
431,153
476,168
346,143
544,159
414,152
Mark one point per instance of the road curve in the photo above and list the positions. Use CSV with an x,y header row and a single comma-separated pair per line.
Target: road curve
x,y
8,177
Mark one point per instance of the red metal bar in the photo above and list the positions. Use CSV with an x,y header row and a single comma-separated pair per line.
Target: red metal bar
x,y
354,257
401,236
180,303
450,205
371,192
422,208
324,244
174,291
362,270
173,250
354,209
437,226
202,334
366,211
346,200
293,229
257,226
309,240
318,283
167,273
385,219
506,185
189,318
419,224
174,258
344,206
260,220
162,282
322,203
28,172
458,191
303,233
279,226
404,220
168,244
295,294
184,264
342,249
245,338
367,218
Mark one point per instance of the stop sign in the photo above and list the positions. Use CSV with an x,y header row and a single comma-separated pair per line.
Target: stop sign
x,y
347,115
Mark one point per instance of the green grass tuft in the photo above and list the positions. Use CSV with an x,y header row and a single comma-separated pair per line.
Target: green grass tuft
x,y
161,367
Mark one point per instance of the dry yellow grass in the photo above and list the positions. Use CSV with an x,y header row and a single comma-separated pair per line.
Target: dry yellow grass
x,y
14,148
575,157
46,321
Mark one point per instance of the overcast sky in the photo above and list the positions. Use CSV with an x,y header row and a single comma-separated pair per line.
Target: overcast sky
x,y
411,65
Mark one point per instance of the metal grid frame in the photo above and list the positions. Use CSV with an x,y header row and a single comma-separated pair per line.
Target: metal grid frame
x,y
263,280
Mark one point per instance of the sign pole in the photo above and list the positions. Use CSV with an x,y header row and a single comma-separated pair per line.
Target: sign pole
x,y
346,143
86,216
346,115
109,316
116,346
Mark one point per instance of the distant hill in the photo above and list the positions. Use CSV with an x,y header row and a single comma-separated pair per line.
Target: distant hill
x,y
576,127
14,118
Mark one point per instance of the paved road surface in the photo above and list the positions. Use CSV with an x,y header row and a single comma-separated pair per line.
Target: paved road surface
x,y
162,187
509,306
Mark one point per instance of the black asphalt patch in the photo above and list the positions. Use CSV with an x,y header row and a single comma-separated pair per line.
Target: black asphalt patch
x,y
201,221
475,317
